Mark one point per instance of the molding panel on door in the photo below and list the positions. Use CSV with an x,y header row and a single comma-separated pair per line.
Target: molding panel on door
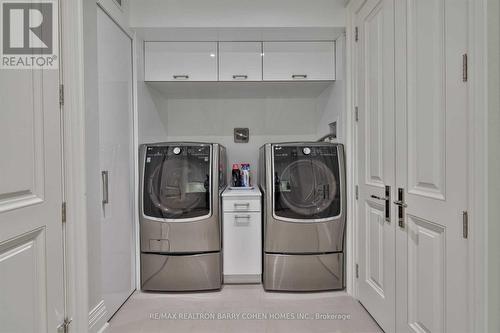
x,y
375,247
23,144
23,281
375,134
426,269
374,98
426,98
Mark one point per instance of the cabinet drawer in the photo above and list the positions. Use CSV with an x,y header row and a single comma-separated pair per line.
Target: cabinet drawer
x,y
241,205
299,61
180,61
242,244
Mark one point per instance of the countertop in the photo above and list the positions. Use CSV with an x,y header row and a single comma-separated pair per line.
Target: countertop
x,y
255,192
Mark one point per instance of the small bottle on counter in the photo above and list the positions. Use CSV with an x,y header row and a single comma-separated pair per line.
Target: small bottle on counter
x,y
245,175
236,176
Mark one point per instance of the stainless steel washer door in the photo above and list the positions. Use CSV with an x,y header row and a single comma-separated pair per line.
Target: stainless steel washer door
x,y
308,187
177,182
306,183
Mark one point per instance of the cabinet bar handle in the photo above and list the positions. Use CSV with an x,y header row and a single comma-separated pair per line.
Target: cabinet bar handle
x,y
299,76
247,217
105,184
246,204
240,77
181,77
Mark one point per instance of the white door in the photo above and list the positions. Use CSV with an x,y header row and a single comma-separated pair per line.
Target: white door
x,y
431,166
375,142
117,161
31,248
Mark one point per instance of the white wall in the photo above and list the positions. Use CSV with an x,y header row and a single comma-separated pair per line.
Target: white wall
x,y
212,119
150,127
332,101
237,13
119,13
494,165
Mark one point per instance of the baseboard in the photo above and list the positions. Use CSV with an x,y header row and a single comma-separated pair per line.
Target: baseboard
x,y
243,279
97,317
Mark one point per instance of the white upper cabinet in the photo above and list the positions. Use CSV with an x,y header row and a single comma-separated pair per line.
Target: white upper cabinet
x,y
284,61
240,61
180,61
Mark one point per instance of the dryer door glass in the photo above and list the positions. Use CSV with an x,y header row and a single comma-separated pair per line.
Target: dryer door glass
x,y
306,182
177,181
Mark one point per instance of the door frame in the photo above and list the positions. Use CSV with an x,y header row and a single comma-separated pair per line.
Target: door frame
x,y
76,256
478,158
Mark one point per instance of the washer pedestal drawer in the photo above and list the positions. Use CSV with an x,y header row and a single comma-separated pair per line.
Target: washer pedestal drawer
x,y
163,272
310,272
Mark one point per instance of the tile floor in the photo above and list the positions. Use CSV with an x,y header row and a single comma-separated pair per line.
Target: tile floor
x,y
257,311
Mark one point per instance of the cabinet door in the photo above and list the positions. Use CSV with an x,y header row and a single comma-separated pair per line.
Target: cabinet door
x,y
242,243
180,61
285,61
117,245
240,61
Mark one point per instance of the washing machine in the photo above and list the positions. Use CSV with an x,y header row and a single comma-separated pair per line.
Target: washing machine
x,y
180,228
304,216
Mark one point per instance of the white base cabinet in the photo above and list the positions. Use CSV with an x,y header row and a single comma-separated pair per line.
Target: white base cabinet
x,y
242,236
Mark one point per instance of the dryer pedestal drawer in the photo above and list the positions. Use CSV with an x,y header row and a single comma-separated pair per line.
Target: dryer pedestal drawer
x,y
311,272
162,272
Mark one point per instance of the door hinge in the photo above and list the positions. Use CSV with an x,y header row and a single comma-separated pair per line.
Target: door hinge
x,y
356,113
64,327
63,212
357,271
356,34
61,94
465,69
465,224
356,192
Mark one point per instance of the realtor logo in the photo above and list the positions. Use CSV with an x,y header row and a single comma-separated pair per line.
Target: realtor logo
x,y
29,36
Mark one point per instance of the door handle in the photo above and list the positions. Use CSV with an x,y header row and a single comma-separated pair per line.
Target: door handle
x,y
387,200
401,207
105,189
299,76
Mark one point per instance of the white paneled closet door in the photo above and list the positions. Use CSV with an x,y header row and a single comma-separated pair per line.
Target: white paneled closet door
x,y
31,197
376,152
116,160
431,166
412,136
